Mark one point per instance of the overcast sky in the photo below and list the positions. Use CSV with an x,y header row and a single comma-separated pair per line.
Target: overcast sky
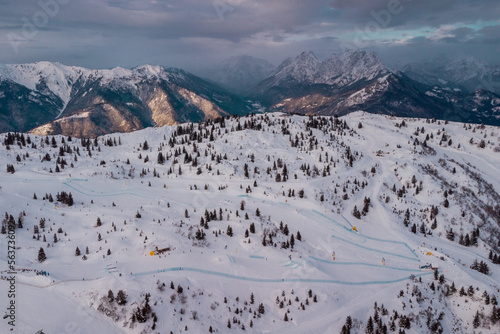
x,y
195,33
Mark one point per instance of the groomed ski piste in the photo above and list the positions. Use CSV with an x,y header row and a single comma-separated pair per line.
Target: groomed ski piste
x,y
348,263
390,249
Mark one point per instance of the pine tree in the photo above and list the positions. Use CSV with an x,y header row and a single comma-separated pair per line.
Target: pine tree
x,y
41,255
111,296
161,158
286,231
346,329
121,298
77,251
369,325
434,224
477,321
486,297
450,235
422,228
495,315
98,223
356,212
453,289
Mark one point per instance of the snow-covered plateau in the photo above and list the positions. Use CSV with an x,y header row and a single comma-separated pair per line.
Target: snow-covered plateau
x,y
263,224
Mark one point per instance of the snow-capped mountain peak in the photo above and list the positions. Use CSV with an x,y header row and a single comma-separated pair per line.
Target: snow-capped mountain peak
x,y
301,69
45,92
350,66
465,68
338,69
56,79
44,77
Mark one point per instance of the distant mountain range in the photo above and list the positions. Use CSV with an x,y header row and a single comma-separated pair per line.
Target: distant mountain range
x,y
357,80
50,98
463,73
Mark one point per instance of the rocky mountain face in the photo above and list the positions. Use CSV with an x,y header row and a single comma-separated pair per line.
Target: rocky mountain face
x,y
339,70
357,80
48,98
240,73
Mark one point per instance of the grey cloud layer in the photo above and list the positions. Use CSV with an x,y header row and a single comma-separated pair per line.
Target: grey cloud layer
x,y
99,33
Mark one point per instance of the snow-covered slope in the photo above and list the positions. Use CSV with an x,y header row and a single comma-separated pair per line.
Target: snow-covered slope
x,y
259,214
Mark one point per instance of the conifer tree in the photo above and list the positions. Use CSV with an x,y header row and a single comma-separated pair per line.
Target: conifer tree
x,y
41,255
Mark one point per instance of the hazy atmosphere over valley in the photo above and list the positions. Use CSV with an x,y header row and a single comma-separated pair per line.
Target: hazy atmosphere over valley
x,y
231,166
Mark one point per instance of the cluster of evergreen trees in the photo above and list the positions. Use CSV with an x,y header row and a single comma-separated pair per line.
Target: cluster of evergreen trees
x,y
10,169
9,222
481,266
142,313
469,240
66,198
494,257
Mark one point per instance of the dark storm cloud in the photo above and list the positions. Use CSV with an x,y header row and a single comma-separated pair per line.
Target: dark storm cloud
x,y
195,33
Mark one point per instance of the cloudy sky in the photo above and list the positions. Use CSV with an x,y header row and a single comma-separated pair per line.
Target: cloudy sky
x,y
193,34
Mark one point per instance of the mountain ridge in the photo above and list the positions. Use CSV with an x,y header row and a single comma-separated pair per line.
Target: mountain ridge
x,y
113,100
51,98
358,80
